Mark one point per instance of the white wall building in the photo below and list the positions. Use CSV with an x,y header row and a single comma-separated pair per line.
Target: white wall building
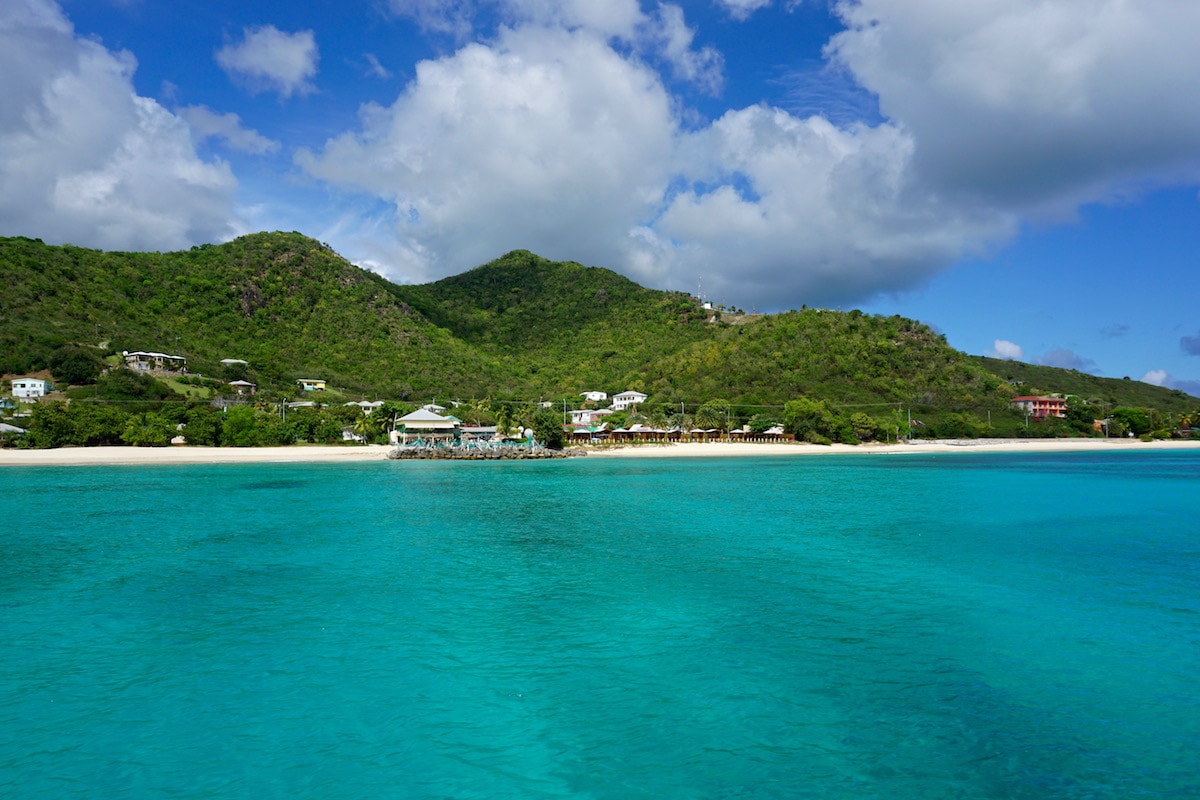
x,y
624,400
594,397
30,388
589,416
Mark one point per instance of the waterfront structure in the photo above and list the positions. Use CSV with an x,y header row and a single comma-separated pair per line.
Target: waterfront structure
x,y
425,425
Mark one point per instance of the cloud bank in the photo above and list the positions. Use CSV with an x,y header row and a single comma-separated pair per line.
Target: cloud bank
x,y
564,127
83,158
558,134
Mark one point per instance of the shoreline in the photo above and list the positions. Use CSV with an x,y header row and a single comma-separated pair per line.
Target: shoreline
x,y
111,456
923,446
324,454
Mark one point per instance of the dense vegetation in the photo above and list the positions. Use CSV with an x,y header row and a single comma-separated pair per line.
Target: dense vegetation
x,y
502,335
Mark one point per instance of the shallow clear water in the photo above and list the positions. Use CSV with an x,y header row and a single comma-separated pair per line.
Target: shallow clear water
x,y
958,626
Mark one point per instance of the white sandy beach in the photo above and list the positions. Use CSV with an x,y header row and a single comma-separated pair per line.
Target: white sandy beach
x,y
127,456
723,449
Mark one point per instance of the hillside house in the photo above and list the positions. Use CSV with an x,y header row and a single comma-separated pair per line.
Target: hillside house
x,y
594,397
311,384
145,361
1041,407
244,387
625,399
30,389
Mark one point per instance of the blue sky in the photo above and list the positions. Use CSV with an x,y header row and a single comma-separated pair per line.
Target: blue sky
x,y
1024,175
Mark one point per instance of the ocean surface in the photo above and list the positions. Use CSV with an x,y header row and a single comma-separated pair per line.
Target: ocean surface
x,y
911,626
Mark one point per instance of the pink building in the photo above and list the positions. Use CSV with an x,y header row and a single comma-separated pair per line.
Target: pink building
x,y
1041,407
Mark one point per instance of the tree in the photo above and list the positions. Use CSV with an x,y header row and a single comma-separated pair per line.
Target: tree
x,y
203,426
82,424
75,365
148,430
239,427
1132,419
865,428
1080,415
714,414
547,429
366,426
504,420
810,420
761,422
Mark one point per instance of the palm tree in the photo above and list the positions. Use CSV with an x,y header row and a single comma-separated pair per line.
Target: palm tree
x,y
366,427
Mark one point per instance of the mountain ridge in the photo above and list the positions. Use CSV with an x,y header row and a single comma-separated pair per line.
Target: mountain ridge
x,y
519,326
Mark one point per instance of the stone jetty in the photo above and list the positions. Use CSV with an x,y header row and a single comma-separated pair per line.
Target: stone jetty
x,y
480,454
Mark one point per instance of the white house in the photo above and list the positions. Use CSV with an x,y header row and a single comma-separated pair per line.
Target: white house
x,y
625,399
594,397
30,388
144,361
590,416
367,406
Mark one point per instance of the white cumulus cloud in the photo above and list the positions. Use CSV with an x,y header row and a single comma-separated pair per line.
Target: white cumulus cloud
x,y
1156,377
742,9
1009,351
268,59
548,140
83,158
206,123
553,141
555,133
1035,105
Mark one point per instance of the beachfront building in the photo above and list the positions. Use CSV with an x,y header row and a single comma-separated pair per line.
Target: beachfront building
x,y
312,384
424,425
590,416
145,361
594,397
30,389
1040,407
625,399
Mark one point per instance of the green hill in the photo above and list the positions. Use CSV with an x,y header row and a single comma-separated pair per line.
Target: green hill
x,y
281,301
519,327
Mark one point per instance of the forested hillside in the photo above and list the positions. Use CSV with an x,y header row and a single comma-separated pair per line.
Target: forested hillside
x,y
518,328
283,302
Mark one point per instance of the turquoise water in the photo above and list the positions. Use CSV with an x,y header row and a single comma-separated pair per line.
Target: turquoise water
x,y
959,626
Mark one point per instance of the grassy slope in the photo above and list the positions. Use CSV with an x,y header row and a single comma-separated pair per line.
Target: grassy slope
x,y
1108,392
